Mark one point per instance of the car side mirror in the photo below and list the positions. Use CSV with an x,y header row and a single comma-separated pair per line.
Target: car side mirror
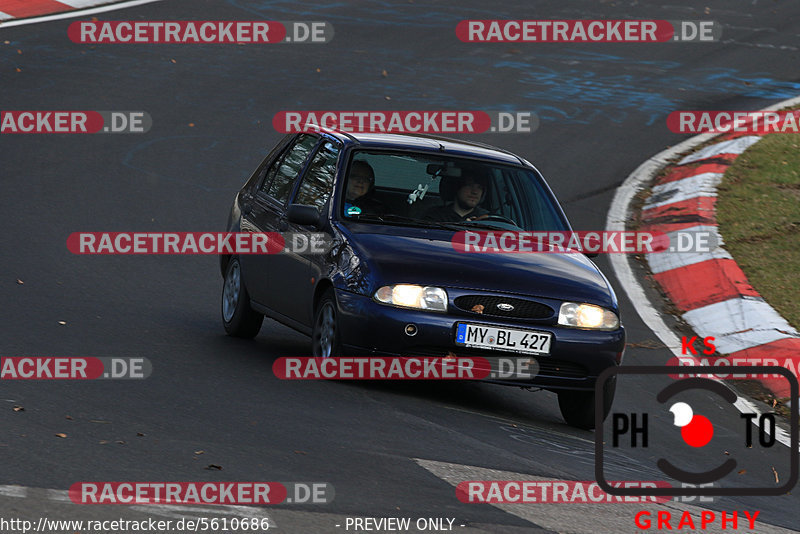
x,y
303,214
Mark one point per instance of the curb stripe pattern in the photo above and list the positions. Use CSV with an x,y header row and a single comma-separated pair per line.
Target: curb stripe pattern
x,y
710,288
731,146
20,9
695,211
723,279
32,8
698,185
661,262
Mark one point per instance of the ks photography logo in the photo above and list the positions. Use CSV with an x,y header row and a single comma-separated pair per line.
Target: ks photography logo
x,y
710,449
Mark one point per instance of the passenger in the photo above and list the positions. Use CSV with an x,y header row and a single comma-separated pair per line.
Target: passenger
x,y
359,197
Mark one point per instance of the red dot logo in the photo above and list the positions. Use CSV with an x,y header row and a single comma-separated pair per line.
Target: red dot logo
x,y
696,430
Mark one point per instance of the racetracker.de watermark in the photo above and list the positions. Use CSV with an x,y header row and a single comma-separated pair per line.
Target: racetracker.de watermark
x,y
588,31
552,492
73,368
422,121
406,368
200,32
74,122
745,122
504,242
729,362
198,243
202,493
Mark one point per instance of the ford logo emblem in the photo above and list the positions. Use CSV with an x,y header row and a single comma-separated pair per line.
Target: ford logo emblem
x,y
505,307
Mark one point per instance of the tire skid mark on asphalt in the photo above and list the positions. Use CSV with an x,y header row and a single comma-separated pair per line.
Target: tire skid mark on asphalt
x,y
760,45
521,426
475,443
580,451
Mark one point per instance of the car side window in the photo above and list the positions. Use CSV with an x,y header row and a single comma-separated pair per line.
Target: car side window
x,y
256,180
317,184
258,176
282,175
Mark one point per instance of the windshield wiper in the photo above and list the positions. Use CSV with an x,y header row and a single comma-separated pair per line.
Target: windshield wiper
x,y
400,219
455,226
478,224
461,225
389,218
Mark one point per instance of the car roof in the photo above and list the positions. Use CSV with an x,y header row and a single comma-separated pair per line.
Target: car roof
x,y
427,143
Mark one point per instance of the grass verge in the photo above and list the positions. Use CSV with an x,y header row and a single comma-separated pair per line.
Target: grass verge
x,y
758,210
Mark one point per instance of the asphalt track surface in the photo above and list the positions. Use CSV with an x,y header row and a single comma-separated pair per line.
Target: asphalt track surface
x,y
603,109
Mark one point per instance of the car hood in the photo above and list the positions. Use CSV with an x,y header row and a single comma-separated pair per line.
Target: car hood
x,y
430,259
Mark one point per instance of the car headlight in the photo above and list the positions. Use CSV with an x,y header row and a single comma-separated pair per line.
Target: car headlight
x,y
413,296
587,316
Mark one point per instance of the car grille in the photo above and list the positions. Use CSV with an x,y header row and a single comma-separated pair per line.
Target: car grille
x,y
487,305
548,367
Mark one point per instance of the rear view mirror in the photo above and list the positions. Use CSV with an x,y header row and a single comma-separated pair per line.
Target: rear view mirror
x,y
443,170
433,168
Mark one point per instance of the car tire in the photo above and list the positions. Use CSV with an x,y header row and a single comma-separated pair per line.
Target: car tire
x,y
325,335
578,407
238,317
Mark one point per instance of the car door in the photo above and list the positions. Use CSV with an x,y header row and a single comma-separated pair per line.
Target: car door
x,y
263,273
315,189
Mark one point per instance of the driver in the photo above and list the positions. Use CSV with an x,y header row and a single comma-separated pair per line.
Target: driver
x,y
470,192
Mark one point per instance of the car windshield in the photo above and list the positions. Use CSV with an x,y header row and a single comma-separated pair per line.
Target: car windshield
x,y
409,189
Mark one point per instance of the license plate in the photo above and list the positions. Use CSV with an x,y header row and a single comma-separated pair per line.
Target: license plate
x,y
508,339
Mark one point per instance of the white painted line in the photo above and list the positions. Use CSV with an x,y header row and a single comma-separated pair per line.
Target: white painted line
x,y
618,215
666,261
739,324
13,491
699,185
177,511
77,13
734,146
5,16
78,4
58,495
576,518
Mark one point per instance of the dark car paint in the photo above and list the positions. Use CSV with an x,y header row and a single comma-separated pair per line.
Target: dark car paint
x,y
367,256
427,257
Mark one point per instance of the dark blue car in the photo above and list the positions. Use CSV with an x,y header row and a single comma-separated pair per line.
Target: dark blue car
x,y
391,282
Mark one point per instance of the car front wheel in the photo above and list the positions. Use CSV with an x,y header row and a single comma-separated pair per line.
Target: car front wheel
x,y
238,317
578,407
325,334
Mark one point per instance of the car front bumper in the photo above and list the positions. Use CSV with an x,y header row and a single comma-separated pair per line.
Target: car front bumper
x,y
575,360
